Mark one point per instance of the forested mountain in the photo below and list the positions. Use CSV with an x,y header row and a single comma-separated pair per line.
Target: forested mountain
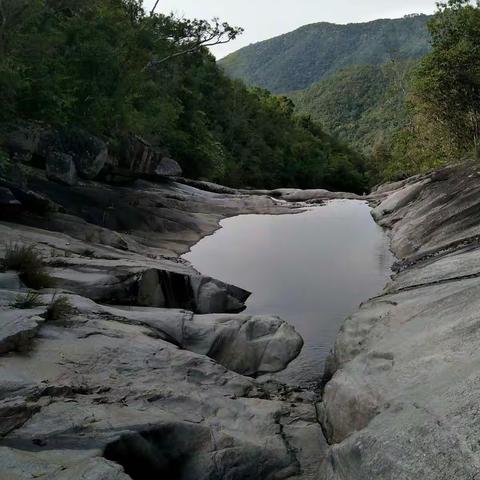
x,y
296,60
361,105
411,116
115,70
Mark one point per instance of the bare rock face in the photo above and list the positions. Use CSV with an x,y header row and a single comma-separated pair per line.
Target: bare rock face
x,y
61,168
23,140
249,345
139,159
401,403
167,167
89,153
64,152
140,376
111,382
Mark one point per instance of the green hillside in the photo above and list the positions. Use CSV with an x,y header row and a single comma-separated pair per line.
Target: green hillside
x,y
296,60
361,105
113,70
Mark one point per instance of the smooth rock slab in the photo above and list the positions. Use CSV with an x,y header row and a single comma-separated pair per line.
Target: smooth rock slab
x,y
10,281
108,380
249,345
403,397
18,328
56,465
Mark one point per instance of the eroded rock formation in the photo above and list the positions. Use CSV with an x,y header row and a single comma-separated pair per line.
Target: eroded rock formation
x,y
148,372
403,398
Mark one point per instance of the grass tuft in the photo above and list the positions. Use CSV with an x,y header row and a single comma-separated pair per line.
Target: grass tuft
x,y
59,309
27,301
26,260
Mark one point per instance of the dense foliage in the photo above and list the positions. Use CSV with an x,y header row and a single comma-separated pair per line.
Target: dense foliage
x,y
443,98
361,105
301,58
446,88
113,69
409,117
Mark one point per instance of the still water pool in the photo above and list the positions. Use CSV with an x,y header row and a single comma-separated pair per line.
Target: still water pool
x,y
312,269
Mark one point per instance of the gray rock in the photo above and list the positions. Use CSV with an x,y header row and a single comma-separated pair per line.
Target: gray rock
x,y
10,281
9,205
22,140
18,328
89,153
117,389
56,465
61,168
168,167
33,201
214,296
170,285
14,413
163,379
140,159
249,345
402,399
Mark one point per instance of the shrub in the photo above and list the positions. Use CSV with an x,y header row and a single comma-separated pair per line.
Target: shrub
x,y
59,308
29,264
27,301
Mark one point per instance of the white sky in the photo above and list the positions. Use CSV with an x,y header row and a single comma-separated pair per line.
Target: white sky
x,y
264,19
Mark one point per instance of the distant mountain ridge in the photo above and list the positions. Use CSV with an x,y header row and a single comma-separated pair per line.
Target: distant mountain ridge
x,y
297,60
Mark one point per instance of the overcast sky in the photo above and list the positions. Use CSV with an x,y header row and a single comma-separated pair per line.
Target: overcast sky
x,y
264,19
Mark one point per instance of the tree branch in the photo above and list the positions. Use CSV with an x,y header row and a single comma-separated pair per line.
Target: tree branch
x,y
154,7
192,49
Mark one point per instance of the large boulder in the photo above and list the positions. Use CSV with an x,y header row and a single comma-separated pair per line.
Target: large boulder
x,y
246,344
40,144
140,159
88,152
61,168
167,167
33,201
23,140
163,288
18,328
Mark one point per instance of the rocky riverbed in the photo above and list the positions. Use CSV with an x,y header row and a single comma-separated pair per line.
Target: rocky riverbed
x,y
153,372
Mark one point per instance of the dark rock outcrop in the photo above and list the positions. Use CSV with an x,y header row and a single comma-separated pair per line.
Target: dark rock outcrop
x,y
9,205
61,168
55,148
139,159
66,152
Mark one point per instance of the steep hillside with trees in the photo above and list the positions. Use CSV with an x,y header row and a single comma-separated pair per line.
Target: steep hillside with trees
x,y
362,105
296,60
111,68
442,98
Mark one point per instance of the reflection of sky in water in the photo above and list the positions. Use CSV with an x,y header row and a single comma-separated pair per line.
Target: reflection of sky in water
x,y
313,269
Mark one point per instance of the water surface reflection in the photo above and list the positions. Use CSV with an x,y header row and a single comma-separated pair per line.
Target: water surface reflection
x,y
312,269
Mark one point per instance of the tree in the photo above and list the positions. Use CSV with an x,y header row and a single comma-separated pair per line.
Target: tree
x,y
189,36
447,82
81,63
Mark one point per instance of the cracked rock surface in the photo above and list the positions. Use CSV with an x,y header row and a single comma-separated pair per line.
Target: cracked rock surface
x,y
152,372
403,397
